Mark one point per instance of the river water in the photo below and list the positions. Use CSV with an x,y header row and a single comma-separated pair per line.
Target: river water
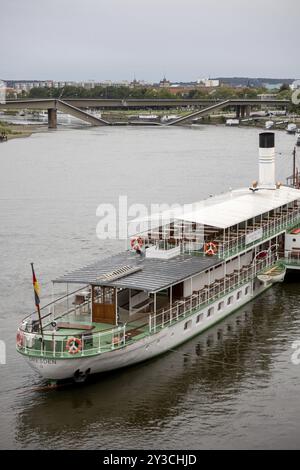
x,y
234,386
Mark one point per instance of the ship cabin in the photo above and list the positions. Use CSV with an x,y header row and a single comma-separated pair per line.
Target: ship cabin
x,y
169,272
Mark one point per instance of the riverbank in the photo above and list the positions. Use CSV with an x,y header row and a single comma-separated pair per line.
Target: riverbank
x,y
16,131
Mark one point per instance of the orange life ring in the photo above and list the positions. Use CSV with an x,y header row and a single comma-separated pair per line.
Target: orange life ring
x,y
116,340
210,248
74,345
20,339
137,243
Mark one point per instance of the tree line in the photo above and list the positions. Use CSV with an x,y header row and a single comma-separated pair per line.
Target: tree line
x,y
125,92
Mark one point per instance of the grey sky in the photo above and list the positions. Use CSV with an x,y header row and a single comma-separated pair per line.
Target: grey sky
x,y
113,39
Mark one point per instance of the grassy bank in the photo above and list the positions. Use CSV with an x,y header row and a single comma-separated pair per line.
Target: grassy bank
x,y
15,131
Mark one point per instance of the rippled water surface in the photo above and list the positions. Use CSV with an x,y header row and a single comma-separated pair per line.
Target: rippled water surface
x,y
233,386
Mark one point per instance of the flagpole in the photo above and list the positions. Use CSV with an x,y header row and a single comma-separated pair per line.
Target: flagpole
x,y
37,301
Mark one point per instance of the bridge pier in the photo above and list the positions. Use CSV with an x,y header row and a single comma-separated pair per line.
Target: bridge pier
x,y
245,111
242,110
52,118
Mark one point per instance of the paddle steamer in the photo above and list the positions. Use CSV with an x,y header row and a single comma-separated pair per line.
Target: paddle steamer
x,y
174,281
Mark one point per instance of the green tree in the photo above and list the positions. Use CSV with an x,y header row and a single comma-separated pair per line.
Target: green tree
x,y
284,87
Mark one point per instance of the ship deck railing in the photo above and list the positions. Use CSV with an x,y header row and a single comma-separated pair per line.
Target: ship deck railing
x,y
236,242
202,298
229,241
56,345
290,258
102,338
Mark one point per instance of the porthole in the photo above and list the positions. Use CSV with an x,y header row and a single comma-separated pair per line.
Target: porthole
x,y
187,325
210,311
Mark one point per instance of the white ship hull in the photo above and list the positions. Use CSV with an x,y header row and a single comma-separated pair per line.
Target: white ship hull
x,y
148,347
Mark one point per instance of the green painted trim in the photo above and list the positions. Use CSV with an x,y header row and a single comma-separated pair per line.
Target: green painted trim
x,y
181,320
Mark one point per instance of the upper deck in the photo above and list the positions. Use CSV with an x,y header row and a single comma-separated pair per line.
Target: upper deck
x,y
235,207
232,221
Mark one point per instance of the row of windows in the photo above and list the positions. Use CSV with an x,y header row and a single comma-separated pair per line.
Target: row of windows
x,y
211,310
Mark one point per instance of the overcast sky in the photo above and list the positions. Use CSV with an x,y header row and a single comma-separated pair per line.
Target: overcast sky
x,y
115,39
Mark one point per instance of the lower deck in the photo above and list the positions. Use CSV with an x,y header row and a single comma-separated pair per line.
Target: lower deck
x,y
73,334
163,338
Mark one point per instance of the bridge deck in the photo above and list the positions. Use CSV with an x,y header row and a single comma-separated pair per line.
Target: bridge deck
x,y
73,106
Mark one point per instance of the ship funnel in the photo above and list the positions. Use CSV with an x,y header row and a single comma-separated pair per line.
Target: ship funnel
x,y
267,160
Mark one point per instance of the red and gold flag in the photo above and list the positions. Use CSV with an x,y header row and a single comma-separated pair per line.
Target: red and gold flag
x,y
36,287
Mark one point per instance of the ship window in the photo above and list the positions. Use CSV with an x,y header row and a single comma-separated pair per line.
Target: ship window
x,y
239,294
221,305
230,300
247,290
210,311
188,324
199,318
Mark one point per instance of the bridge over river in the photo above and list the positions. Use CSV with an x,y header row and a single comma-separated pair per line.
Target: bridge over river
x,y
78,107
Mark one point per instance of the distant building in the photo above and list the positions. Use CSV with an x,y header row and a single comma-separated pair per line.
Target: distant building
x,y
164,83
272,86
136,83
208,82
10,92
266,96
87,85
106,83
121,83
179,90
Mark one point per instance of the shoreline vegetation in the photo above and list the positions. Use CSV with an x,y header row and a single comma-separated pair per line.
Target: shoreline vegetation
x,y
16,131
139,91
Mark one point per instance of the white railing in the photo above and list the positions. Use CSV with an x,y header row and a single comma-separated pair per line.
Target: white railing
x,y
54,345
290,258
60,307
233,241
279,223
183,308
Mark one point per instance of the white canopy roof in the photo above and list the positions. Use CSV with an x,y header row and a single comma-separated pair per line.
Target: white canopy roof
x,y
224,210
237,206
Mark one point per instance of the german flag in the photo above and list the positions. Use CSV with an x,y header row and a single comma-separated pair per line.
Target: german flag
x,y
36,287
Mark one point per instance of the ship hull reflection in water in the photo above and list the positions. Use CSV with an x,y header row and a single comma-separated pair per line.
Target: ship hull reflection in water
x,y
228,371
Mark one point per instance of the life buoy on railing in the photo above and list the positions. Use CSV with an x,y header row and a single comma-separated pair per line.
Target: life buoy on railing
x,y
262,254
210,248
20,339
137,243
74,345
116,340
